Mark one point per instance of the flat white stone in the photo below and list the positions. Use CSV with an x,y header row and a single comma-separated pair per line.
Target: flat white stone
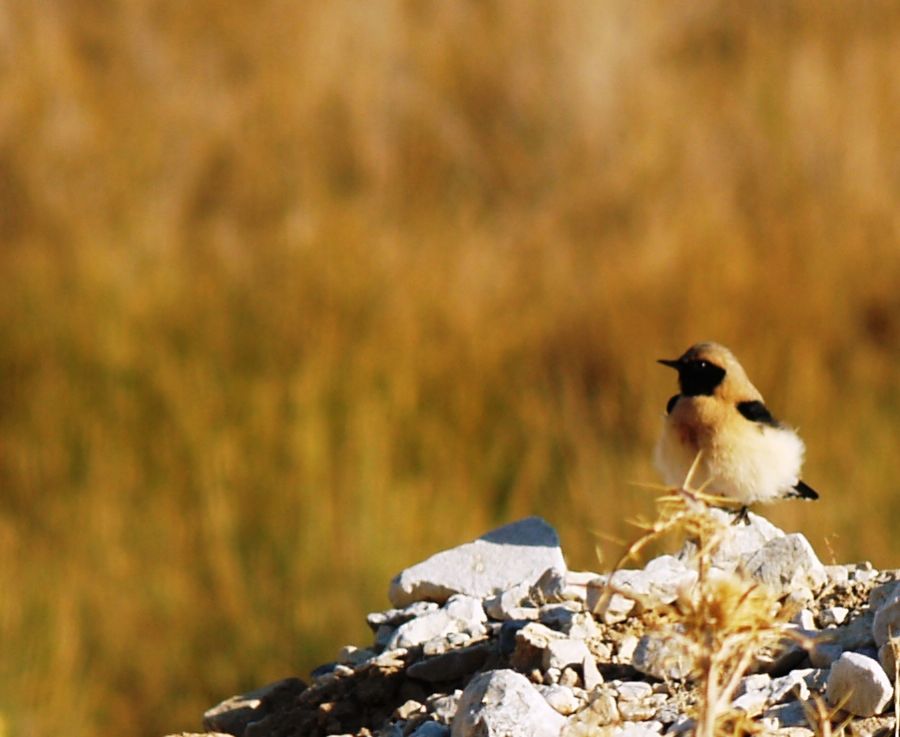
x,y
501,703
516,553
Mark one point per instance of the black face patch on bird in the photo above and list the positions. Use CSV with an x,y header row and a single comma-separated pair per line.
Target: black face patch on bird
x,y
696,376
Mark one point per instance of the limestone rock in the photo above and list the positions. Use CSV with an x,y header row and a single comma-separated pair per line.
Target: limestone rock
x,y
786,563
859,685
660,582
561,698
664,657
516,553
461,614
741,542
560,653
500,703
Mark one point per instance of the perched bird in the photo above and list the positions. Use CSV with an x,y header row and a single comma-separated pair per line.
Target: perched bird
x,y
745,453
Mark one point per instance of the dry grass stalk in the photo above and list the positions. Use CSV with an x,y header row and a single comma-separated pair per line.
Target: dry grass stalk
x,y
723,621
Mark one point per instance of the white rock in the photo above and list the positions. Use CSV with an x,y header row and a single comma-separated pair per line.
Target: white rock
x,y
389,659
578,625
887,620
801,596
444,708
740,542
611,607
636,729
833,615
668,577
467,609
501,703
794,684
516,553
805,620
549,588
514,603
752,702
660,582
787,563
559,616
863,572
408,708
535,636
664,657
784,716
461,614
590,673
627,645
641,710
560,653
753,693
561,698
838,574
858,684
634,690
578,583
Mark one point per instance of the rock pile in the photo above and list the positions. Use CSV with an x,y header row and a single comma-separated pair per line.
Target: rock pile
x,y
497,637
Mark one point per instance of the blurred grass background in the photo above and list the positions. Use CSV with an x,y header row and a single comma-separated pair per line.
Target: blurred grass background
x,y
295,294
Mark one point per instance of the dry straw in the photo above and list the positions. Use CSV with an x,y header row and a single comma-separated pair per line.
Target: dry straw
x,y
723,621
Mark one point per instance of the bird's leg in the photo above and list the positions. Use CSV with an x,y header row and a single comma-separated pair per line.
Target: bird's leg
x,y
742,516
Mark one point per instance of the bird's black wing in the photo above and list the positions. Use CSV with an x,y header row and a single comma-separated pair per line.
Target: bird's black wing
x,y
671,403
756,411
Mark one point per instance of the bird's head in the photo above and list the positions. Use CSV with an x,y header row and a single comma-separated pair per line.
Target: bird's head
x,y
704,367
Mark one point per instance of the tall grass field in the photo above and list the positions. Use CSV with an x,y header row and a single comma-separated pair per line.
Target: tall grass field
x,y
295,294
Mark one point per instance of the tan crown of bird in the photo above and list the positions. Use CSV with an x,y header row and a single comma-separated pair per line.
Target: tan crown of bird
x,y
745,453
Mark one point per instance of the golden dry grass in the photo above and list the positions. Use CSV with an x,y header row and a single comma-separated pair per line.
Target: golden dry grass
x,y
296,293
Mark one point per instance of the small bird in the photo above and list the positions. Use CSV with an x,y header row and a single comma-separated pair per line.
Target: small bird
x,y
745,453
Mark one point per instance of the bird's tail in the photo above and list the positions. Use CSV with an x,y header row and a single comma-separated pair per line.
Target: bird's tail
x,y
803,491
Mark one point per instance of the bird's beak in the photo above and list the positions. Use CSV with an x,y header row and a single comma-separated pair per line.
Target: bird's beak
x,y
671,363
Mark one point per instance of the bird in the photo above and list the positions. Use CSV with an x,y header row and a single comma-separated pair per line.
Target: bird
x,y
719,419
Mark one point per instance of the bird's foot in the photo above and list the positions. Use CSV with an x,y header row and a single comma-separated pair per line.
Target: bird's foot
x,y
742,517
